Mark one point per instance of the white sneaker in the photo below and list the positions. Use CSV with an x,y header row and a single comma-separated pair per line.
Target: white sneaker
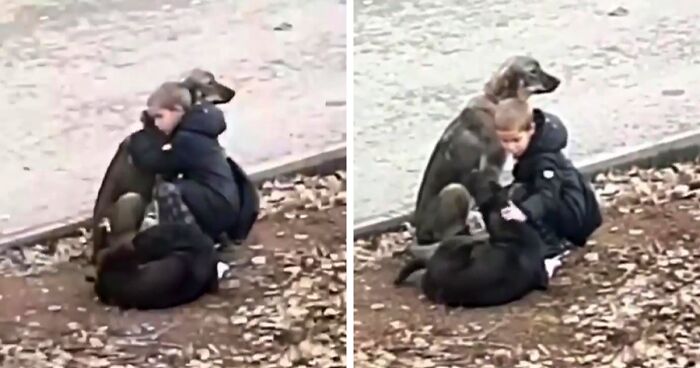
x,y
221,269
552,264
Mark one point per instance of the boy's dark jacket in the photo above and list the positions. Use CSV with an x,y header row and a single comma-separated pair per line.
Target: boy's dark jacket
x,y
560,196
196,153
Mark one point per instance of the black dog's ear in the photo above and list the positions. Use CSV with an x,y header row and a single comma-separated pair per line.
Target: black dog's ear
x,y
494,187
516,192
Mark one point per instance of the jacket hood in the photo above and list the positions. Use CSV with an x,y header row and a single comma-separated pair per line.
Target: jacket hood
x,y
205,119
550,134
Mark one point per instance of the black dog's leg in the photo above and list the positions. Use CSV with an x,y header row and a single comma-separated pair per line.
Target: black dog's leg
x,y
224,242
408,269
161,241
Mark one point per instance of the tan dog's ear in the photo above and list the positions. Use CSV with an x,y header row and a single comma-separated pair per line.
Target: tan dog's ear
x,y
498,84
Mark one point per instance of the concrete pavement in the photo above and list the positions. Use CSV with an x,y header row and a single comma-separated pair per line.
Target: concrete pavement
x,y
75,75
627,79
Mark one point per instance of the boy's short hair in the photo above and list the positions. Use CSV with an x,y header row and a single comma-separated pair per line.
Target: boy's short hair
x,y
169,95
513,114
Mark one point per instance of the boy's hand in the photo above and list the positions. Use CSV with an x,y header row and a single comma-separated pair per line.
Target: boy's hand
x,y
147,119
513,213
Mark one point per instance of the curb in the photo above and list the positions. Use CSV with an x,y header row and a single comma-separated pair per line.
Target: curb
x,y
322,162
678,147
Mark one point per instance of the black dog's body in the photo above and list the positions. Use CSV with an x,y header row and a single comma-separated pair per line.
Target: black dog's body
x,y
469,153
122,176
503,267
168,265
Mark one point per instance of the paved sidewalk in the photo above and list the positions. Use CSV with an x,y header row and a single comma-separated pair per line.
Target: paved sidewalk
x,y
627,79
74,80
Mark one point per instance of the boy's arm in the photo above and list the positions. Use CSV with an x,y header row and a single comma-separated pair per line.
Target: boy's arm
x,y
545,193
146,150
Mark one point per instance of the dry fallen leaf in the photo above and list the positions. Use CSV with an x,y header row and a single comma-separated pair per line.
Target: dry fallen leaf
x,y
308,283
629,299
301,236
258,260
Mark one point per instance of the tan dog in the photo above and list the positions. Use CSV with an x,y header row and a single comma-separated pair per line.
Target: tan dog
x,y
469,155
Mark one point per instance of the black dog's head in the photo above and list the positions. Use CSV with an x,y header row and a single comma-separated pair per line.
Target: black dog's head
x,y
499,198
520,76
204,87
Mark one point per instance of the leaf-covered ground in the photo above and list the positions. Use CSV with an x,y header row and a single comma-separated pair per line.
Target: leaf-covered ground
x,y
282,305
630,298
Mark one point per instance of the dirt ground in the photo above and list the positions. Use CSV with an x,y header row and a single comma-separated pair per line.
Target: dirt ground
x,y
630,298
282,305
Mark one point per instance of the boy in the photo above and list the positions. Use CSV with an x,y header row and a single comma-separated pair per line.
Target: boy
x,y
555,198
185,151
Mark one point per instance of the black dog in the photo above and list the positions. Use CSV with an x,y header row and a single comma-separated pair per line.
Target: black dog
x,y
503,267
469,154
163,266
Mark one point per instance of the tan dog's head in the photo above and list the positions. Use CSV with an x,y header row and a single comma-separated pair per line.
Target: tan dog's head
x,y
204,87
519,77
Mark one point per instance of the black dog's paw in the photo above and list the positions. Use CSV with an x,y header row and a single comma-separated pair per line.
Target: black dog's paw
x,y
408,271
542,279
